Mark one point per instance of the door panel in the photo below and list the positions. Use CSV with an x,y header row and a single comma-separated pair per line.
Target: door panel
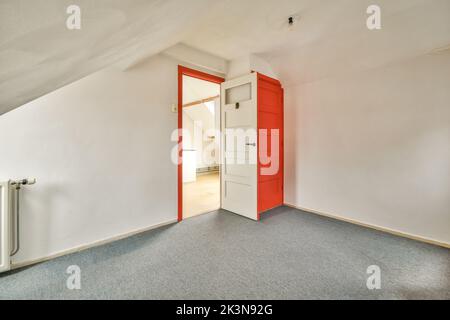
x,y
270,117
270,194
237,198
239,147
241,117
236,170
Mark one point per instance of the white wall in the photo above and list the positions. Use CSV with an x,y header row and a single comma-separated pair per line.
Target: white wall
x,y
243,65
374,146
100,150
197,58
200,122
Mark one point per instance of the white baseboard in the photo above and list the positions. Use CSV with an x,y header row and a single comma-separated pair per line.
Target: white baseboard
x,y
92,245
372,226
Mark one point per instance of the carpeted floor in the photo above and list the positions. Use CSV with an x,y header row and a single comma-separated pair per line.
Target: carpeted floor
x,y
288,255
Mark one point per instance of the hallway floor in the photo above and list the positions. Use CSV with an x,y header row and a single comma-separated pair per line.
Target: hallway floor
x,y
289,254
201,196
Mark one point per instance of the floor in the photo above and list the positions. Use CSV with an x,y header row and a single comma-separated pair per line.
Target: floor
x,y
201,196
289,254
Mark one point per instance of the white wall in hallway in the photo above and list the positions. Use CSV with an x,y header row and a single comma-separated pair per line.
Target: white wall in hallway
x,y
201,124
374,146
100,150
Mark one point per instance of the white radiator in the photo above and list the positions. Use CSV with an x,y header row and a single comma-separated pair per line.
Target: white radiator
x,y
5,226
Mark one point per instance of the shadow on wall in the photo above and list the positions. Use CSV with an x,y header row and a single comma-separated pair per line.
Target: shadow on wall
x,y
291,141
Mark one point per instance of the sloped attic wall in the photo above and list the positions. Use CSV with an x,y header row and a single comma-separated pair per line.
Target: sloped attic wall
x,y
100,149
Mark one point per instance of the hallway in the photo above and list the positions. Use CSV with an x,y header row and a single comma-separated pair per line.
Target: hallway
x,y
201,196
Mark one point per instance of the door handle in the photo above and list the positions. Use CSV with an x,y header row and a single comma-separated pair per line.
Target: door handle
x,y
251,144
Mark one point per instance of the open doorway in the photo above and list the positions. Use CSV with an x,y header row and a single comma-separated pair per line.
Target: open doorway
x,y
199,119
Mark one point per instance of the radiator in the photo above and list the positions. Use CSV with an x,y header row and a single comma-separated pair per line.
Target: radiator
x,y
5,226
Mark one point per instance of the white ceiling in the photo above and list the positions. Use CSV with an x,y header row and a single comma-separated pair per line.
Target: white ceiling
x,y
38,54
329,37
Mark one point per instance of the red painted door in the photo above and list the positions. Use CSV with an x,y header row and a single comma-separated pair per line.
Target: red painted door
x,y
270,137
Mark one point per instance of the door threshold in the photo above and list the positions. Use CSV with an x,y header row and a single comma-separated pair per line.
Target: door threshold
x,y
202,213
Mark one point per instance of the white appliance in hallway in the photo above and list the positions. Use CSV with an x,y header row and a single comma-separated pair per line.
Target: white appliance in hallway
x,y
189,165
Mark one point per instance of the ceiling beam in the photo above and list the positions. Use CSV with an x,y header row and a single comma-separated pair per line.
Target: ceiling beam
x,y
193,103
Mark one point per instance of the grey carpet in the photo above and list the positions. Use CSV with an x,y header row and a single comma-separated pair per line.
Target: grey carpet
x,y
290,254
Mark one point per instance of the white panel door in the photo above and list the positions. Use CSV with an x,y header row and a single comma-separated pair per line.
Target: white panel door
x,y
4,227
239,146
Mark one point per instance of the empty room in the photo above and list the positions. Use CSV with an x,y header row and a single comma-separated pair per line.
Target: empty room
x,y
250,151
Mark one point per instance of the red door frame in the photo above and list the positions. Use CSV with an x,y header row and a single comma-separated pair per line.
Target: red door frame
x,y
184,71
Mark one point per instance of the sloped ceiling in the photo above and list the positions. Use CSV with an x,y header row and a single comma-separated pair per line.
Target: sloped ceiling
x,y
201,113
38,54
195,90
